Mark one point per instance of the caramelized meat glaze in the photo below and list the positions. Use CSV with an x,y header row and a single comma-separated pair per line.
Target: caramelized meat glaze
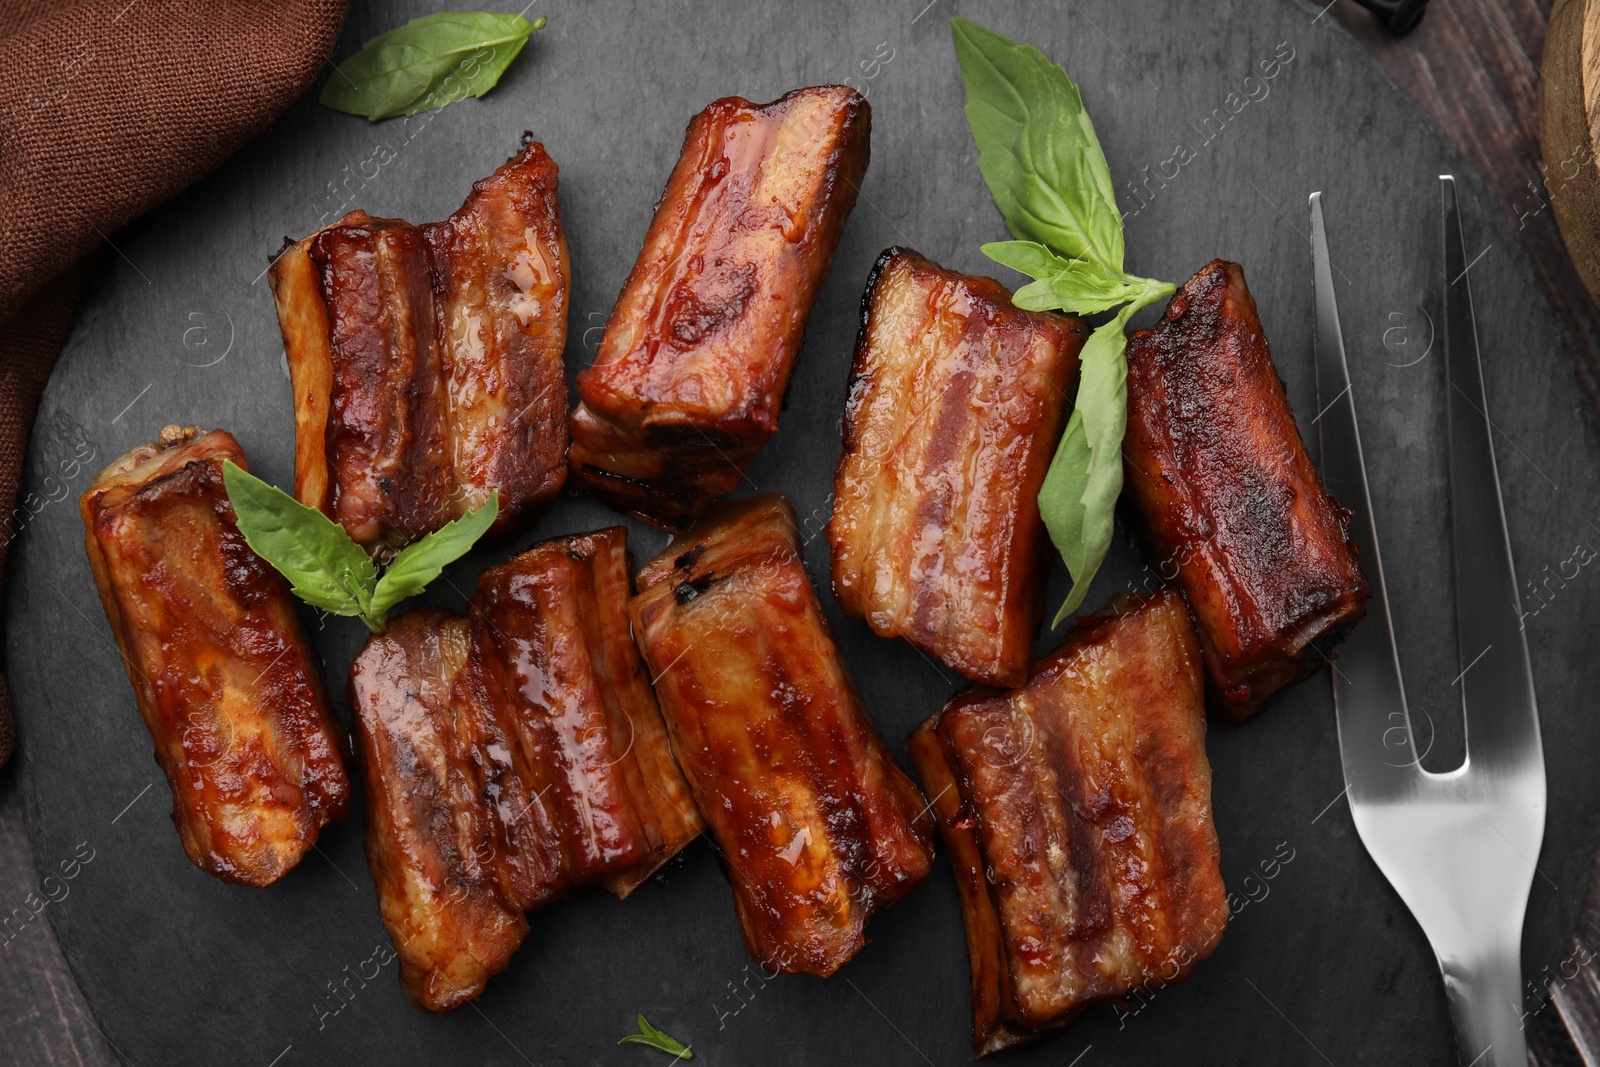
x,y
698,350
430,839
817,824
385,437
1228,498
552,627
426,361
511,758
1077,812
227,684
956,400
501,282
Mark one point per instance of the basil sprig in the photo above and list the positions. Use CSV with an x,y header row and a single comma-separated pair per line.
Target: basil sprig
x,y
649,1035
428,63
1040,157
328,570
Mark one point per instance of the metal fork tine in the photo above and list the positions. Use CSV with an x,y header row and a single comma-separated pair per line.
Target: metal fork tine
x,y
1496,680
1374,732
1459,846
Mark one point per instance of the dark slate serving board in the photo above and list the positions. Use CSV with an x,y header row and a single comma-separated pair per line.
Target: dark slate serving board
x,y
1324,962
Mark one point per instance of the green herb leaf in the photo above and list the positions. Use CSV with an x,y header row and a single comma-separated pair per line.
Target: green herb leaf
x,y
328,570
649,1035
1080,284
1044,167
418,564
428,63
1037,149
1079,497
324,567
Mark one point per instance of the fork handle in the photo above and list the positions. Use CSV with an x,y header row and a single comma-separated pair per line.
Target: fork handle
x,y
1485,997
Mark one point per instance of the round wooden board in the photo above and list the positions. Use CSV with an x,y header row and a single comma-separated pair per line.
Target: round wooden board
x,y
1324,962
1569,125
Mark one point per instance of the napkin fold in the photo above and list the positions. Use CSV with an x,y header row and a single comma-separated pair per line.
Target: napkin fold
x,y
108,108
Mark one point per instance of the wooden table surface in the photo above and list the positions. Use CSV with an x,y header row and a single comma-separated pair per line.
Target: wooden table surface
x,y
1474,64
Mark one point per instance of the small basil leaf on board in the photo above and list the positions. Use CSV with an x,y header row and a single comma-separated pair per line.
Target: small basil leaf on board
x,y
1079,497
428,63
649,1035
1037,149
414,566
324,567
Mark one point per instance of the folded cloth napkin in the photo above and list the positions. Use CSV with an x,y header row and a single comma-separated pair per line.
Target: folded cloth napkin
x,y
108,108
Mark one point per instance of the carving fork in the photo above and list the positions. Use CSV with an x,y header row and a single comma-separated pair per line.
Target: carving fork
x,y
1460,846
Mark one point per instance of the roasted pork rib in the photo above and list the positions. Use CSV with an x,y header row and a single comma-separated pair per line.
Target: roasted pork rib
x,y
501,281
956,400
1077,812
391,479
817,824
511,759
430,842
1228,497
228,687
426,361
551,627
698,350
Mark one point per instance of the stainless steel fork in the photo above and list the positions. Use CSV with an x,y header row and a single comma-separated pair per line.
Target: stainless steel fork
x,y
1459,847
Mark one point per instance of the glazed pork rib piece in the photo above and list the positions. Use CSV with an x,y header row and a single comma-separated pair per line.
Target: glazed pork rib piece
x,y
1077,812
956,400
226,683
817,824
550,629
385,439
429,840
426,361
501,280
511,758
1228,497
698,350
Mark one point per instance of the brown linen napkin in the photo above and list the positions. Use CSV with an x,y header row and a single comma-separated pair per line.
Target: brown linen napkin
x,y
108,108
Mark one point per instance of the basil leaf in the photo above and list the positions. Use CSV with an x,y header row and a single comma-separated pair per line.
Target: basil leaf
x,y
1079,284
428,63
1044,167
324,567
649,1035
1033,259
1079,496
328,570
1037,149
1066,291
419,563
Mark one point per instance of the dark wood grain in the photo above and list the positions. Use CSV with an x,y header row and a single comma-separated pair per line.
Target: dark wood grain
x,y
1471,63
43,1017
1474,64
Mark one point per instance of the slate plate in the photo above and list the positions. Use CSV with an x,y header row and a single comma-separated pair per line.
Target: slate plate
x,y
1321,962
